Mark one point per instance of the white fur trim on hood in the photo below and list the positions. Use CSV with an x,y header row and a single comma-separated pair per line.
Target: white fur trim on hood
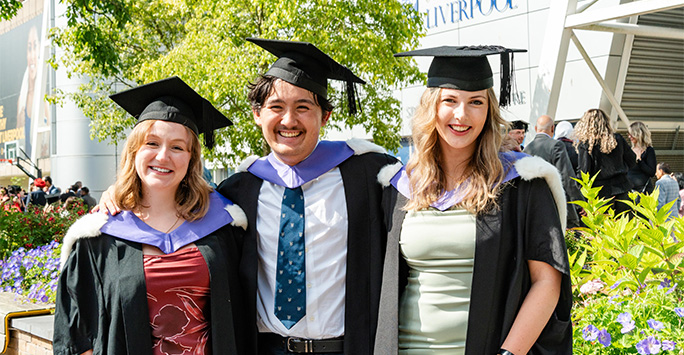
x,y
87,226
239,216
246,163
387,173
362,146
536,167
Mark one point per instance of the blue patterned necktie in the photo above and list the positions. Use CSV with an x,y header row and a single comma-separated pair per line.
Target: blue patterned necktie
x,y
290,295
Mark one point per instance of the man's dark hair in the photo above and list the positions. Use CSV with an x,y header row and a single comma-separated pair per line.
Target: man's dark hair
x,y
48,179
85,190
263,87
665,167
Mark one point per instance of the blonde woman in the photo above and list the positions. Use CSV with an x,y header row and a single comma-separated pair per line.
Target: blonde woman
x,y
640,174
602,151
160,277
476,260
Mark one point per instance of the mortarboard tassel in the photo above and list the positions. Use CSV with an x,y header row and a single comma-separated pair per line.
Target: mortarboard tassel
x,y
352,98
207,124
505,94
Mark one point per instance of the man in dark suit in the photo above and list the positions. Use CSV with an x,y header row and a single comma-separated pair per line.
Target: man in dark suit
x,y
554,152
325,249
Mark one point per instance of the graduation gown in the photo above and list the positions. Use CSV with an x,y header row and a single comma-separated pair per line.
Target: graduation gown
x,y
102,299
365,244
526,226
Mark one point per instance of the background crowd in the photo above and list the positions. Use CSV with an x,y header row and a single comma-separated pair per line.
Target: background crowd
x,y
43,193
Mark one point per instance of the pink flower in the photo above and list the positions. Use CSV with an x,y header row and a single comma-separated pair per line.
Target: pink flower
x,y
592,287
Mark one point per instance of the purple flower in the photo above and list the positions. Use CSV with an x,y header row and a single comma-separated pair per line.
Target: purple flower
x,y
604,338
679,311
664,284
624,317
668,345
655,325
627,327
650,345
590,333
627,323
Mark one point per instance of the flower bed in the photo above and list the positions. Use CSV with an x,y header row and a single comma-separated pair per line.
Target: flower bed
x,y
29,248
32,273
627,276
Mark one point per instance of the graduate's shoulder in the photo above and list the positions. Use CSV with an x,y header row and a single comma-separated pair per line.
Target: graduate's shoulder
x,y
370,153
86,228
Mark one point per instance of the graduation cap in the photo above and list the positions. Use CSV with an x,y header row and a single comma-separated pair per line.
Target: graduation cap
x,y
519,125
172,100
304,65
467,68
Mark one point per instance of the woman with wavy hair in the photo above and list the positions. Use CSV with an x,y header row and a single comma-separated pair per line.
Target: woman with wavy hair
x,y
640,174
475,260
160,277
604,153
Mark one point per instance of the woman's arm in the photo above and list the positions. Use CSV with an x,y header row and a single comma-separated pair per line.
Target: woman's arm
x,y
536,309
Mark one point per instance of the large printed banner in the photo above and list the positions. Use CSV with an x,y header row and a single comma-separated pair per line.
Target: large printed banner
x,y
24,113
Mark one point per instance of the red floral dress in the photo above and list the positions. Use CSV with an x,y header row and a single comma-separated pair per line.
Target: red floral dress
x,y
178,302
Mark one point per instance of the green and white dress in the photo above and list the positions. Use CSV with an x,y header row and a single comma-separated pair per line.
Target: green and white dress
x,y
439,248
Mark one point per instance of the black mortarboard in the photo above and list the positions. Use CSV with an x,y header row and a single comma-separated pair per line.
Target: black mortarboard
x,y
303,65
519,125
467,68
171,99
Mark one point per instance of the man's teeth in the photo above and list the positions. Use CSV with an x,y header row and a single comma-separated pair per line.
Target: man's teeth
x,y
460,128
289,134
161,170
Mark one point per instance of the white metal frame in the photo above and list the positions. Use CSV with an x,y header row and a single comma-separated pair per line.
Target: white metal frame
x,y
564,18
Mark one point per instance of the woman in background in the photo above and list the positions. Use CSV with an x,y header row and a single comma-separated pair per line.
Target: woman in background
x,y
564,133
640,174
602,151
476,260
160,277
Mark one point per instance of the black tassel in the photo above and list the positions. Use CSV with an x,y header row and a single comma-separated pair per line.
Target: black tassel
x,y
505,95
352,98
207,125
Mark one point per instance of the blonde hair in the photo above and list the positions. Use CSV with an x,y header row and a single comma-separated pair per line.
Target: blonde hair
x,y
484,171
192,195
641,134
594,129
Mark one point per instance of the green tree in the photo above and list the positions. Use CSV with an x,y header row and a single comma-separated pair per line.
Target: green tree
x,y
121,43
9,8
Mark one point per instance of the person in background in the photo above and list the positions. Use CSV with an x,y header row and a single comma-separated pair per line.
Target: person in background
x,y
476,262
51,189
89,200
37,195
602,152
669,189
640,174
517,131
553,151
162,276
564,133
680,180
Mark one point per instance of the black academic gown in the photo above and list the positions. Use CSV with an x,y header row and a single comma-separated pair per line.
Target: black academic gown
x,y
365,245
525,227
102,299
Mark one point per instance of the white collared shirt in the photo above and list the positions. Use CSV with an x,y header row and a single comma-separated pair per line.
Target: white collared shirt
x,y
325,231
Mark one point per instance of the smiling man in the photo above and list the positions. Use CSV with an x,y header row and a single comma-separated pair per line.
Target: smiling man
x,y
312,261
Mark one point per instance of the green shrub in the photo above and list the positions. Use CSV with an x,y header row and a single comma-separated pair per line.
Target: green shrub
x,y
37,226
627,276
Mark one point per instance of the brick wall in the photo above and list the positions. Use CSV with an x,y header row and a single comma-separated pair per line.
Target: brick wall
x,y
23,343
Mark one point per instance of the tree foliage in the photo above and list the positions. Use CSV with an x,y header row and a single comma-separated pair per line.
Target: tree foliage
x,y
9,8
121,43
